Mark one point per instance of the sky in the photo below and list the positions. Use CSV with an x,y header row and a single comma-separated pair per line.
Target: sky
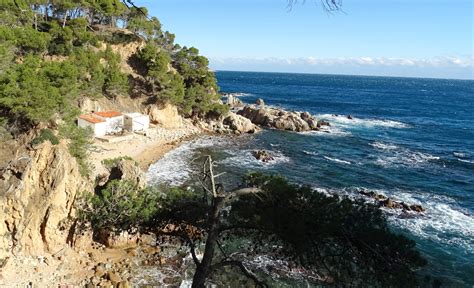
x,y
412,38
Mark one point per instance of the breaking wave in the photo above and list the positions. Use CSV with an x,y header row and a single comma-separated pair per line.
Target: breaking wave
x,y
337,160
175,168
344,121
244,158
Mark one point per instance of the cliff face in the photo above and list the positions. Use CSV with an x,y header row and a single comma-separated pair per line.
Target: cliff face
x,y
37,193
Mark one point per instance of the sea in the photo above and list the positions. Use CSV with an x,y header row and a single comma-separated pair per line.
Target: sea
x,y
411,139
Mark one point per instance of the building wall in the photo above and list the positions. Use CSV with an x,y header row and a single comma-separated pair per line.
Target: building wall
x,y
137,123
99,129
114,124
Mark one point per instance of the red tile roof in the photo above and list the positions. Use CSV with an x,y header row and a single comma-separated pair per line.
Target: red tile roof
x,y
108,114
91,119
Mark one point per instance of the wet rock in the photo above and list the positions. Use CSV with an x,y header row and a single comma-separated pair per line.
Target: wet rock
x,y
323,123
262,155
349,117
417,208
387,202
260,102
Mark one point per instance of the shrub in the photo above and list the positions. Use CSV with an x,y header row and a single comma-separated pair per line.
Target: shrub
x,y
80,140
113,162
45,135
119,206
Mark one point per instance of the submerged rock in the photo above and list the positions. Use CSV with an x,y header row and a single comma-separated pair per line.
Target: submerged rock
x,y
387,202
262,155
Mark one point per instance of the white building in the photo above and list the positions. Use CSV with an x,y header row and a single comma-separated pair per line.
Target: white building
x,y
98,126
114,120
136,122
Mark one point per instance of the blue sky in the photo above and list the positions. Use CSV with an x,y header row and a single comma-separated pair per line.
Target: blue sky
x,y
421,38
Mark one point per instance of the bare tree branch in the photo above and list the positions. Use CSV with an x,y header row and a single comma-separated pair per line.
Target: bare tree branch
x,y
241,266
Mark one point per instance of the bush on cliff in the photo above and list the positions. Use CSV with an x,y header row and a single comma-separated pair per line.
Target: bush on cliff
x,y
120,206
45,135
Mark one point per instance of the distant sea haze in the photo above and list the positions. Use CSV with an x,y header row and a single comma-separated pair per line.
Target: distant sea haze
x,y
409,138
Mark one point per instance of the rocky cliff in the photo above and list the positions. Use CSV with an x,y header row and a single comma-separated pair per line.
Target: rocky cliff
x,y
37,193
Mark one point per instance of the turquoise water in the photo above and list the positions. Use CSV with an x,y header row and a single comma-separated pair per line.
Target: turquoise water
x,y
411,139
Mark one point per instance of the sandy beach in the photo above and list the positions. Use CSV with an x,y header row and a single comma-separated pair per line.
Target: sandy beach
x,y
144,149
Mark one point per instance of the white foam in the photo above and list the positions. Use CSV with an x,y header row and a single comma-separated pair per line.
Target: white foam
x,y
405,157
337,160
459,154
383,146
328,131
310,153
175,168
466,161
341,120
442,222
244,158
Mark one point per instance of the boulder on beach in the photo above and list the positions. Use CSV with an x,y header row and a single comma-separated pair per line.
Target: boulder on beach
x,y
262,155
280,118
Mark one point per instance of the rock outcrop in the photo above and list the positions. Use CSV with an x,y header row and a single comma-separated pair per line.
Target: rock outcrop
x,y
233,101
37,193
239,124
230,123
124,169
263,155
280,119
166,116
387,202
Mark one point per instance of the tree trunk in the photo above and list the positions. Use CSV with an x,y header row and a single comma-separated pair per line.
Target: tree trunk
x,y
64,19
204,268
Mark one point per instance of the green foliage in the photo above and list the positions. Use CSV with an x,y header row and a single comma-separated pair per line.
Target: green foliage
x,y
200,83
34,91
80,141
26,39
120,206
45,135
310,226
116,82
113,162
91,72
167,85
62,38
7,54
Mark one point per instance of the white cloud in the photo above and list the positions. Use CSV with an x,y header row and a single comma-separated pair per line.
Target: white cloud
x,y
444,61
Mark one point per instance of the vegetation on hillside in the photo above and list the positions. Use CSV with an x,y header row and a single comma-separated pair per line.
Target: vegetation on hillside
x,y
54,52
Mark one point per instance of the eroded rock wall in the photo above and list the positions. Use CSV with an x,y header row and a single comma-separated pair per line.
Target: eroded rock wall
x,y
37,193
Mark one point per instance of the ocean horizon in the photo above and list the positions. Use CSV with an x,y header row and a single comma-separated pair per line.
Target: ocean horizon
x,y
343,74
